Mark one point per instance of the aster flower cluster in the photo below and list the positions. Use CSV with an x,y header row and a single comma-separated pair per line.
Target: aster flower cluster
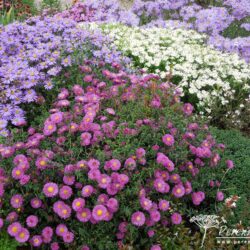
x,y
97,164
208,77
34,52
171,13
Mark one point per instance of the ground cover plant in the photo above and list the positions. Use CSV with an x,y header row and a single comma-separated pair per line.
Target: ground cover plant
x,y
33,52
118,153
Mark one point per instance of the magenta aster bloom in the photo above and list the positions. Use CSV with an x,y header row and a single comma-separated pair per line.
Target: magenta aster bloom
x,y
99,212
36,241
49,128
175,178
32,221
168,140
151,233
78,204
115,164
36,203
93,164
155,247
17,173
16,201
146,203
61,229
164,205
65,192
112,204
178,190
155,215
230,164
219,196
23,235
198,197
69,180
130,164
138,218
102,199
123,227
87,191
47,233
64,211
68,237
159,185
176,218
56,117
54,246
188,109
50,189
1,223
14,229
42,163
84,215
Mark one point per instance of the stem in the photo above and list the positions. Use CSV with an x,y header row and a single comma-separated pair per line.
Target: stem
x,y
204,236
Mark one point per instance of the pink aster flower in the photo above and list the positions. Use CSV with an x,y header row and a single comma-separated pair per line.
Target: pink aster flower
x,y
230,164
155,247
155,215
198,197
20,159
175,178
64,211
159,185
113,205
42,162
69,180
49,128
99,212
47,234
78,204
32,221
17,173
36,241
104,180
130,164
176,218
84,215
50,189
178,190
22,236
16,201
85,248
93,164
146,203
114,164
123,227
61,229
14,229
36,203
54,246
1,223
56,117
138,218
168,140
151,233
163,205
68,237
102,199
87,191
65,192
188,109
219,196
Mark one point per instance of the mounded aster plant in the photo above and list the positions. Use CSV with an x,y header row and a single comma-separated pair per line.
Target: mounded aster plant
x,y
216,83
117,157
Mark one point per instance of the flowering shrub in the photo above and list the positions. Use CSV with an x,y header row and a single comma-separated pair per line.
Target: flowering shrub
x,y
218,83
33,52
182,13
117,156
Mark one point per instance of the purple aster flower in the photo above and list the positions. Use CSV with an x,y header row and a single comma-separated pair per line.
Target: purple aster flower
x,y
138,218
219,196
16,201
61,229
32,221
22,236
78,204
65,192
168,140
36,241
84,215
99,212
178,191
176,218
14,229
50,189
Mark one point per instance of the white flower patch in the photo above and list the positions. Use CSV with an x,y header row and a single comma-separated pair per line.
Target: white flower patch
x,y
216,79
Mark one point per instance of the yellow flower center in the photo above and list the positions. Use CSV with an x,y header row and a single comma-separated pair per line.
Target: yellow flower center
x,y
99,212
50,189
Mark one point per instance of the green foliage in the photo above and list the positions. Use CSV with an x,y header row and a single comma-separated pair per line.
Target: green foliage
x,y
6,243
237,180
7,17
